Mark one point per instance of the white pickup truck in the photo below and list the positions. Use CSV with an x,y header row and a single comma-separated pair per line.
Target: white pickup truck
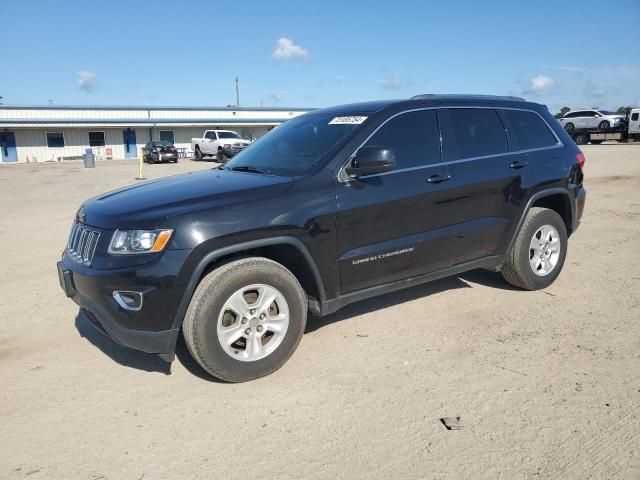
x,y
219,143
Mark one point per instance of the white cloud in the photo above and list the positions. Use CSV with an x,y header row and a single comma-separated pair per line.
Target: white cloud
x,y
395,82
86,80
593,92
540,84
286,50
276,97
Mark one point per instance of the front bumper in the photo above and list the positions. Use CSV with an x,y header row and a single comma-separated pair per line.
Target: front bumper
x,y
153,328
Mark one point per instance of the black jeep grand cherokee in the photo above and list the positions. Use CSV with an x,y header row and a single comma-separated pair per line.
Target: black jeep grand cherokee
x,y
332,207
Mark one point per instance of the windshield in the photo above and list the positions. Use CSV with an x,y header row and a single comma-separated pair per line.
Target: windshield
x,y
296,146
228,135
161,144
605,112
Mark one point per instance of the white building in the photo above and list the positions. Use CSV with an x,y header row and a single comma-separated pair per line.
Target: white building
x,y
60,133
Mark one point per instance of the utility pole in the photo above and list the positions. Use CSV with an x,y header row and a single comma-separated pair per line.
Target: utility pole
x,y
237,92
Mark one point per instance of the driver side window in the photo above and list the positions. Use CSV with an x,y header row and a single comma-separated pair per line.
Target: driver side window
x,y
414,138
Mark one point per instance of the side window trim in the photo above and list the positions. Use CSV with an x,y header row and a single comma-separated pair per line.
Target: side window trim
x,y
342,177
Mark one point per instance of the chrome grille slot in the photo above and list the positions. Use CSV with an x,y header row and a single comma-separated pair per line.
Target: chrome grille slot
x,y
82,244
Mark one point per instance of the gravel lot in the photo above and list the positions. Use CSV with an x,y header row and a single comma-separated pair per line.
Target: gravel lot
x,y
547,384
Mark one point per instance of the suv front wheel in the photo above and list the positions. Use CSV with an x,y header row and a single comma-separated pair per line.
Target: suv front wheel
x,y
538,254
245,319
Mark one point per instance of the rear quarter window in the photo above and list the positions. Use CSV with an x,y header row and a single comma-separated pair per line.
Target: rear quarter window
x,y
530,130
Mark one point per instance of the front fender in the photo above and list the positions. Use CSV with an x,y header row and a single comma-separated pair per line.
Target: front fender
x,y
217,254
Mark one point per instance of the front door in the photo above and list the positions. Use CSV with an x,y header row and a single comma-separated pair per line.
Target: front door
x,y
8,147
130,144
634,122
393,225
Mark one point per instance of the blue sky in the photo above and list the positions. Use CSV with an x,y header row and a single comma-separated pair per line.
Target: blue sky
x,y
294,53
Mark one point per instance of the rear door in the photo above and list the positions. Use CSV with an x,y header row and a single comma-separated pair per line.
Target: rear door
x,y
488,181
581,119
393,225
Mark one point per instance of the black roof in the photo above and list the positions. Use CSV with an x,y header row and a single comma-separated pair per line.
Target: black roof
x,y
424,100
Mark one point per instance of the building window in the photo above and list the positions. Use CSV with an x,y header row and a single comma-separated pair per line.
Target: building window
x,y
166,136
55,140
96,139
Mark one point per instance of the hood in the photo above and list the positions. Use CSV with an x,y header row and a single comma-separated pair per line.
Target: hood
x,y
234,140
147,205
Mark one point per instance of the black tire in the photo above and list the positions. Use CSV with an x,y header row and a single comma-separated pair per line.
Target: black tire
x,y
201,320
596,142
220,156
569,127
198,154
581,139
517,269
604,125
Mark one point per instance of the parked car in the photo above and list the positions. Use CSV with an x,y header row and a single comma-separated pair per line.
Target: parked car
x,y
159,152
222,144
601,119
332,207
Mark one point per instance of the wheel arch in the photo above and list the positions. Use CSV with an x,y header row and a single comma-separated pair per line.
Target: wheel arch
x,y
557,199
288,251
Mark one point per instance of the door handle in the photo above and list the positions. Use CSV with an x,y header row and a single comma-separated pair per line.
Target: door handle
x,y
518,164
437,178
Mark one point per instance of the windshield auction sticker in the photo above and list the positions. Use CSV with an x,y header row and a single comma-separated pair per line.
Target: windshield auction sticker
x,y
347,120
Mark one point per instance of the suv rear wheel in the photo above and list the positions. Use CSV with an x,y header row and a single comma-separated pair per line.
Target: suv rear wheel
x,y
538,254
245,319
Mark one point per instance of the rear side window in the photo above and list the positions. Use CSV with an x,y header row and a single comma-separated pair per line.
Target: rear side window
x,y
634,116
414,138
477,132
530,129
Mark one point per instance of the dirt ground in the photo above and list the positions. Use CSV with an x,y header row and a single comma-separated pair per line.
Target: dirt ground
x,y
547,384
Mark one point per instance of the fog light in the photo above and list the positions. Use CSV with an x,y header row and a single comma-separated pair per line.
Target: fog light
x,y
128,300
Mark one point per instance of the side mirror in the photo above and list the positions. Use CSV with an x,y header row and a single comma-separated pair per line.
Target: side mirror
x,y
371,160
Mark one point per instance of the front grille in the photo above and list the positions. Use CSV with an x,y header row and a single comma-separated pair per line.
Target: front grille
x,y
238,147
82,244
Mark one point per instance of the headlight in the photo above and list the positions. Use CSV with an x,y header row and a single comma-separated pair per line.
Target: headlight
x,y
227,146
129,242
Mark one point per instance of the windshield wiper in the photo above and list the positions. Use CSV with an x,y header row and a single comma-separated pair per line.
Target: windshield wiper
x,y
245,168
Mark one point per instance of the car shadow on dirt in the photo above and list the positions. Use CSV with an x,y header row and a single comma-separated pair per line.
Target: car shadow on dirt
x,y
483,277
122,355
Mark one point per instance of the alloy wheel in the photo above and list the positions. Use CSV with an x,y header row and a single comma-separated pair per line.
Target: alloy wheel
x,y
544,250
253,322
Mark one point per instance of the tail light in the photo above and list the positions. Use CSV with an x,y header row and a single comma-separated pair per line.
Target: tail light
x,y
580,158
172,149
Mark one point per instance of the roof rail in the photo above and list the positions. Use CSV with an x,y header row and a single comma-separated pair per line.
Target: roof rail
x,y
454,96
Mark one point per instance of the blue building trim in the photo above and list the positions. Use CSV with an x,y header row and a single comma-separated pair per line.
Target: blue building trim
x,y
145,121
